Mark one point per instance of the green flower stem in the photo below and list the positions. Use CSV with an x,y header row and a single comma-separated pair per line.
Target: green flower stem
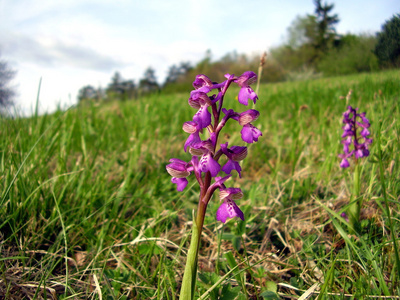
x,y
189,277
356,188
190,274
356,200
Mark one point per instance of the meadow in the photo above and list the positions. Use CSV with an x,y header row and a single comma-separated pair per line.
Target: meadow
x,y
88,211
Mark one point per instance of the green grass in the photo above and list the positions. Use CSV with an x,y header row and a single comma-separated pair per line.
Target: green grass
x,y
87,210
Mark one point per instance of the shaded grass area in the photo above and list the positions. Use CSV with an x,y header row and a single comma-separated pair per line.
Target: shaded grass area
x,y
87,210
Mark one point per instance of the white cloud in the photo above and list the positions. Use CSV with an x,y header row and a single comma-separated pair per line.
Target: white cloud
x,y
47,52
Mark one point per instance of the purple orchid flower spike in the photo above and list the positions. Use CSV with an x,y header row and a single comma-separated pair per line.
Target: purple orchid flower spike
x,y
355,133
356,141
205,156
205,150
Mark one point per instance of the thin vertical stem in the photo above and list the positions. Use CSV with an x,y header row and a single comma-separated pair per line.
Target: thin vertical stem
x,y
190,274
355,206
356,178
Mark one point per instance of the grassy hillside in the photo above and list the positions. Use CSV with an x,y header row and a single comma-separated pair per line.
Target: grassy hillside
x,y
87,210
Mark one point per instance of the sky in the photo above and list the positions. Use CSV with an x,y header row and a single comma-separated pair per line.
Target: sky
x,y
69,44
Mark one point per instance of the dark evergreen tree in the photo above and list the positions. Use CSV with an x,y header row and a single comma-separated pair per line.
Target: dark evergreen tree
x,y
149,82
7,94
128,89
121,89
89,92
310,38
86,92
388,46
177,72
115,86
173,75
325,21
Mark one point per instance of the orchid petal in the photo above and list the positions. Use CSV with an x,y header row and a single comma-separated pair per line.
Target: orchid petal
x,y
208,164
250,133
181,183
229,209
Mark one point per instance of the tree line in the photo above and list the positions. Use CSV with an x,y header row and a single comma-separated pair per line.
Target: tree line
x,y
312,48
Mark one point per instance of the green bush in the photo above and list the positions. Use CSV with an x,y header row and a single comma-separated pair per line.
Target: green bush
x,y
388,47
353,55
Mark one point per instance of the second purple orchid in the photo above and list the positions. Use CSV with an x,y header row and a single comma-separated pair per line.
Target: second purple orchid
x,y
356,134
356,143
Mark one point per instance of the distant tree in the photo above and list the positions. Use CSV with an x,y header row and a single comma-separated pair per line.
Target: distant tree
x,y
316,30
388,46
128,89
302,31
185,67
175,73
326,32
299,50
205,64
309,39
121,89
115,84
149,83
88,92
7,94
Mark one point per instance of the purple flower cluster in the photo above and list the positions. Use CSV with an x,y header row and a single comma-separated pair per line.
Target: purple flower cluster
x,y
355,132
205,162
